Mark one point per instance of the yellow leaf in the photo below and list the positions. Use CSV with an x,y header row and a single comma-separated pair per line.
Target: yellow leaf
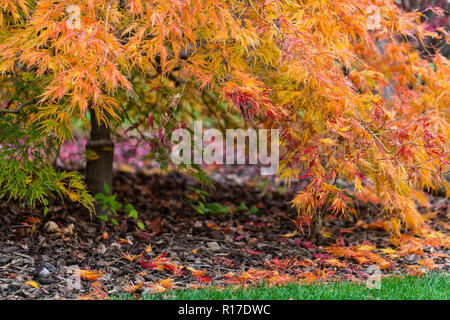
x,y
32,284
125,241
358,185
326,234
290,234
389,251
335,262
364,247
328,142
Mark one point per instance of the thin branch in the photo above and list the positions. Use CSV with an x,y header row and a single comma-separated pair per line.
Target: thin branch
x,y
373,135
106,38
263,19
18,109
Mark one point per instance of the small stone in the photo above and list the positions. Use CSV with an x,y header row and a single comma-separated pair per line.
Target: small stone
x,y
49,267
198,224
51,227
411,259
43,273
91,230
213,246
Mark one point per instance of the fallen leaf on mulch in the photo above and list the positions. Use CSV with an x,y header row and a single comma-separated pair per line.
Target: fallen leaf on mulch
x,y
130,257
133,289
89,274
155,226
251,251
32,284
162,285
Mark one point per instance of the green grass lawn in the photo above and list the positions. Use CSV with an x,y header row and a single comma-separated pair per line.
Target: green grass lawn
x,y
428,287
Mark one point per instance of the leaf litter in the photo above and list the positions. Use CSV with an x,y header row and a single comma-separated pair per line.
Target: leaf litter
x,y
173,252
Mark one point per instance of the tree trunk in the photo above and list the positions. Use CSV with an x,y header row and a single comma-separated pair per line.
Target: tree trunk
x,y
316,226
99,159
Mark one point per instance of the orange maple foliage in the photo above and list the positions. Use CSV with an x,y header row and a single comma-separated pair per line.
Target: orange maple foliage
x,y
353,102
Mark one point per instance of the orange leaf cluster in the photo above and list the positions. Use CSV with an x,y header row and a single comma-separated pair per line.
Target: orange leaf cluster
x,y
362,254
162,263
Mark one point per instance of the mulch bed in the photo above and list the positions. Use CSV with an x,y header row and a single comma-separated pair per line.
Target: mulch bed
x,y
222,247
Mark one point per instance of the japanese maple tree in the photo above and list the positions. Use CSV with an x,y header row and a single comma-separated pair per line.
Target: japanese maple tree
x,y
354,99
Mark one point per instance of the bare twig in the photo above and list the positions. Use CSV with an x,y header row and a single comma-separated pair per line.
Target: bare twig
x,y
18,109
